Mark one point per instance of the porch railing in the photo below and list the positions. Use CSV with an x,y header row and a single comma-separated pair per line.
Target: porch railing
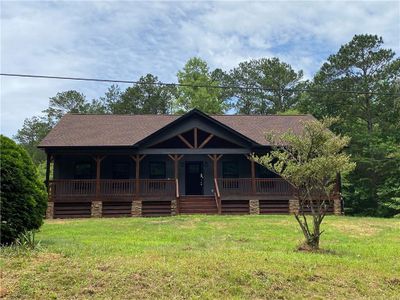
x,y
70,189
260,186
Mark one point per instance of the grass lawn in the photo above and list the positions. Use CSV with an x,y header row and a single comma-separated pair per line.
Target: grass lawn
x,y
206,257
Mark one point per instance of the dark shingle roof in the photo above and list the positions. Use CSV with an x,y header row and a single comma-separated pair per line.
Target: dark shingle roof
x,y
76,130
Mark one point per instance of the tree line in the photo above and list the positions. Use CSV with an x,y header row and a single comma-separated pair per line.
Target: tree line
x,y
369,114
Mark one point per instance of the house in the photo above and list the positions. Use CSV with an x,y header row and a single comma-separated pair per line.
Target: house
x,y
156,165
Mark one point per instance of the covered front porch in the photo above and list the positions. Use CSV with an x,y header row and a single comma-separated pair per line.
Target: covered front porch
x,y
162,184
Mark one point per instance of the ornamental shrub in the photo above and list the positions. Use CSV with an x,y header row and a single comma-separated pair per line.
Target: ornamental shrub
x,y
23,196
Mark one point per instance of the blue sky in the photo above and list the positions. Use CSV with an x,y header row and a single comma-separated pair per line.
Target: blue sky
x,y
124,40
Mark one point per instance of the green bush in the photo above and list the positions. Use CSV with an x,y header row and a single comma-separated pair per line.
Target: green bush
x,y
23,195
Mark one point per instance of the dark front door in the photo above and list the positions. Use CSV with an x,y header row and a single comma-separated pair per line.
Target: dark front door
x,y
194,178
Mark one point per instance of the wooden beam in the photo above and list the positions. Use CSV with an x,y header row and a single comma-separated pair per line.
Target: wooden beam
x,y
206,140
215,158
98,160
137,158
253,176
176,158
165,151
185,141
48,161
195,137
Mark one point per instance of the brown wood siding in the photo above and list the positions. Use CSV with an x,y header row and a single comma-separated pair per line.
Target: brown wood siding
x,y
117,209
274,207
156,208
72,210
235,207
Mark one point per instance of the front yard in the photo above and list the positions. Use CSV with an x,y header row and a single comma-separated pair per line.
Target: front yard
x,y
205,257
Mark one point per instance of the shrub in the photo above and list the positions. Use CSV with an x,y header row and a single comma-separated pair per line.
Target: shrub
x,y
23,196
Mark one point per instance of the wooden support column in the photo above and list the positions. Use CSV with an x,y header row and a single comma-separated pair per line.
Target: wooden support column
x,y
48,161
137,158
176,158
215,158
98,160
253,176
175,205
97,205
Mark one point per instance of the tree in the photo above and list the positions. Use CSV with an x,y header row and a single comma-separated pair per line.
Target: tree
x,y
361,65
32,132
371,116
310,162
36,128
203,96
23,196
66,102
111,99
270,82
145,97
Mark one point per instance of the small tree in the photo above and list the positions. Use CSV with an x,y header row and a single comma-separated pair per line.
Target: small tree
x,y
310,162
23,196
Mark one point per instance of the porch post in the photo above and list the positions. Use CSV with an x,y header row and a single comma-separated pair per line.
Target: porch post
x,y
175,203
215,158
136,210
253,177
48,160
50,203
97,205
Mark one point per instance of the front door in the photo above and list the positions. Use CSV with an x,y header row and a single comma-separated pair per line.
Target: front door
x,y
194,178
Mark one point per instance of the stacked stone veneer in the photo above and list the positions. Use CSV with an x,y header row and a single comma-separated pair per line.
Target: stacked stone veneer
x,y
254,206
50,210
337,207
136,208
294,206
174,207
97,209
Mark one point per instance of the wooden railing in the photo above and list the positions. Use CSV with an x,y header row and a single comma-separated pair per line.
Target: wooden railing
x,y
69,189
157,187
74,188
112,187
260,186
217,196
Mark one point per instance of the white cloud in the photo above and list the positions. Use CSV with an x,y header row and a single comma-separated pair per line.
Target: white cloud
x,y
125,40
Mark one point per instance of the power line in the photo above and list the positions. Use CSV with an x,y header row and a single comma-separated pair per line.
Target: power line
x,y
193,85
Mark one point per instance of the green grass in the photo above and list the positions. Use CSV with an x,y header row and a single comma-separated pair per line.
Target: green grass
x,y
206,257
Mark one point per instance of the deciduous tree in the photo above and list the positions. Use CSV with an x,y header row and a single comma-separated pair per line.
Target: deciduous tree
x,y
310,162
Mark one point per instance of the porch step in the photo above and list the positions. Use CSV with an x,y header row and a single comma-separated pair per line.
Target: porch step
x,y
198,204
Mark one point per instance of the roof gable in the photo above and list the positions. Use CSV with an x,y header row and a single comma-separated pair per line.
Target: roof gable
x,y
196,119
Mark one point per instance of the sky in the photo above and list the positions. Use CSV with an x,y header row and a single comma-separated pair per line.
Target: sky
x,y
128,39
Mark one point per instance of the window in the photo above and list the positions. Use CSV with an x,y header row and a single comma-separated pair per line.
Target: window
x,y
230,169
157,170
120,170
83,170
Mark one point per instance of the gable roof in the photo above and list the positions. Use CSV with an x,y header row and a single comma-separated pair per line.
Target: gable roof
x,y
90,130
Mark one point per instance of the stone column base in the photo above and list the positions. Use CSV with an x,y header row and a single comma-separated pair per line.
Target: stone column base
x,y
136,208
337,207
294,206
254,206
97,209
174,207
50,210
